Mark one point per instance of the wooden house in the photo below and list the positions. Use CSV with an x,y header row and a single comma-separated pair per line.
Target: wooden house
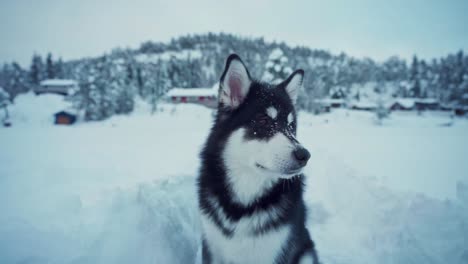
x,y
56,86
402,104
64,118
203,96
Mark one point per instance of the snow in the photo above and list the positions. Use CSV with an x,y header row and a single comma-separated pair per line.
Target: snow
x,y
288,70
276,54
123,190
38,110
193,92
269,64
58,82
168,55
329,101
364,104
405,102
4,97
278,68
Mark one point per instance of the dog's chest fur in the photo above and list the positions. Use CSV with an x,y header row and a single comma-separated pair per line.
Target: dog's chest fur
x,y
244,246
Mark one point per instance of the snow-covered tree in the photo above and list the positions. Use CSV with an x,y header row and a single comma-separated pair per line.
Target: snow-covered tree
x,y
50,71
58,69
381,110
4,102
156,83
277,68
325,72
14,79
125,89
36,71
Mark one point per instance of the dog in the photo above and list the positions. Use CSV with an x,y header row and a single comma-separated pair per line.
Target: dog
x,y
250,185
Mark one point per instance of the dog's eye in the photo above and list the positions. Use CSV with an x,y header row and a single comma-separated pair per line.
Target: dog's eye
x,y
262,119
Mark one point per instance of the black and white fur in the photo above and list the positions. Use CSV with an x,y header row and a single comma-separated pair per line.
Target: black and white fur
x,y
251,183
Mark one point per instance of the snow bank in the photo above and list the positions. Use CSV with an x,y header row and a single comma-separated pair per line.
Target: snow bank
x,y
152,223
31,109
123,190
357,220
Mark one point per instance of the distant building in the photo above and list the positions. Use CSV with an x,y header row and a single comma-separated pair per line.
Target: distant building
x,y
64,118
203,96
365,105
424,104
460,107
403,104
331,102
57,86
419,104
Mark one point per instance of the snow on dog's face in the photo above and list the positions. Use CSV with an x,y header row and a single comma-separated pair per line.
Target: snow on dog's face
x,y
261,120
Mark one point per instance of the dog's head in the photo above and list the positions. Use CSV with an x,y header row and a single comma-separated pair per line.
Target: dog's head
x,y
261,120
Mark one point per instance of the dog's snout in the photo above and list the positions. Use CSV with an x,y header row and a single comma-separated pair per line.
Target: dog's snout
x,y
302,155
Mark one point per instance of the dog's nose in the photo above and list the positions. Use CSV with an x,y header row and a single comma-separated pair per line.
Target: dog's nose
x,y
301,155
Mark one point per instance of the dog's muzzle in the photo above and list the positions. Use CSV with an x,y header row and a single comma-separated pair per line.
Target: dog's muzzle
x,y
301,155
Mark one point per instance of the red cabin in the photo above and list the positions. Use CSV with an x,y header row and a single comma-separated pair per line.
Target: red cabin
x,y
203,96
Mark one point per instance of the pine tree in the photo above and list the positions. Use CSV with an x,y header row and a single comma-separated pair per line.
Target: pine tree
x,y
14,80
415,78
381,110
276,67
4,102
139,80
59,69
160,85
125,91
36,70
50,67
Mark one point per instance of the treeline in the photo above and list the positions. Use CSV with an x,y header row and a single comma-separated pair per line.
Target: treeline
x,y
110,83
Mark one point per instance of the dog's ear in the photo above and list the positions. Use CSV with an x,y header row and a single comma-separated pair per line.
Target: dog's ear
x,y
234,84
293,84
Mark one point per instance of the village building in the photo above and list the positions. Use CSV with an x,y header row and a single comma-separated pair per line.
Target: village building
x,y
425,104
419,104
56,86
203,96
402,104
331,102
365,105
64,118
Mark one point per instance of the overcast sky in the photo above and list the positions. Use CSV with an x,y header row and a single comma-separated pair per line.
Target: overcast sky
x,y
372,28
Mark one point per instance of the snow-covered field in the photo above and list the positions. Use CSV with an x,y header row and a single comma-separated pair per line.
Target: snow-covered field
x,y
122,190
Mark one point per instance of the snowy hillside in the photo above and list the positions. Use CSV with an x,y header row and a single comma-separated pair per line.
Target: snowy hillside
x,y
123,190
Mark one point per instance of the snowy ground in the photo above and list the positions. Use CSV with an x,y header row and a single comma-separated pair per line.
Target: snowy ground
x,y
122,190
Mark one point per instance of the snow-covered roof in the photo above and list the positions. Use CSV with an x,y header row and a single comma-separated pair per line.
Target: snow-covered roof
x,y
58,82
410,102
405,102
330,101
364,104
427,100
189,92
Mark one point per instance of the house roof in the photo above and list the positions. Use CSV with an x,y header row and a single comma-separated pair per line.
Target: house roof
x,y
405,102
330,101
64,112
426,100
410,102
58,82
192,92
364,104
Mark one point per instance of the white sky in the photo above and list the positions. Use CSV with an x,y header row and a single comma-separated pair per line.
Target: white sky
x,y
373,28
